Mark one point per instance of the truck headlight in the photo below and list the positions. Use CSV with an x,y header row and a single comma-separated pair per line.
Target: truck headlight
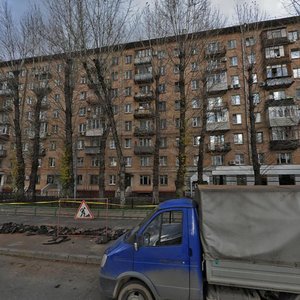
x,y
103,261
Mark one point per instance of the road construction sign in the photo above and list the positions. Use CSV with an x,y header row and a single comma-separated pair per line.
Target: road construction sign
x,y
84,212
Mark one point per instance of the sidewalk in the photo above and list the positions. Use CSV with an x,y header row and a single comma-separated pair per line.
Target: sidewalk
x,y
79,249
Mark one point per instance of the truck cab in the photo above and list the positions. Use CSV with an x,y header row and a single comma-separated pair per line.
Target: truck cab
x,y
158,259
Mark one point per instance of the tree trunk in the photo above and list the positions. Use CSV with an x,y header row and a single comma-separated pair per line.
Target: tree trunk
x,y
155,192
180,179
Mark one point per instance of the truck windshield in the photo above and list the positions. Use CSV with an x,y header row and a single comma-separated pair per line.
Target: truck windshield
x,y
130,235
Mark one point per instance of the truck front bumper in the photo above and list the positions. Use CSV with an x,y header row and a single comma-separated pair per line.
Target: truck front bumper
x,y
107,286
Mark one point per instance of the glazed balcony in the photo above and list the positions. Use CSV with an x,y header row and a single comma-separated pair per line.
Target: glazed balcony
x,y
216,52
284,145
288,101
275,41
143,150
218,148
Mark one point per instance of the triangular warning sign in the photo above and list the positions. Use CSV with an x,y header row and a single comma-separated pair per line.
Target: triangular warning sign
x,y
84,212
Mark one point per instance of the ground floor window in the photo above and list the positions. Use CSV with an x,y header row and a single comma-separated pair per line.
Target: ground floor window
x,y
286,179
219,180
241,180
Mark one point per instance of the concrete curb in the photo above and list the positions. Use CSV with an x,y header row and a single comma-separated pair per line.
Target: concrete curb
x,y
70,258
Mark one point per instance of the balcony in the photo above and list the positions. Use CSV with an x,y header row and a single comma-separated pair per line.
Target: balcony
x,y
3,153
277,60
6,92
141,113
94,132
143,78
92,150
141,97
4,108
275,41
220,148
142,60
218,126
143,150
216,52
217,88
288,101
144,131
284,145
275,83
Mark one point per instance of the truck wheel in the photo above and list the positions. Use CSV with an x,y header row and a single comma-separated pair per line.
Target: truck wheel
x,y
135,290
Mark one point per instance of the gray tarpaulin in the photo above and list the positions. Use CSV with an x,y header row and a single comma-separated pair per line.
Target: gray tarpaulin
x,y
257,223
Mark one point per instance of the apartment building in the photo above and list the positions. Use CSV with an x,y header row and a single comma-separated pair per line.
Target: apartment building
x,y
272,48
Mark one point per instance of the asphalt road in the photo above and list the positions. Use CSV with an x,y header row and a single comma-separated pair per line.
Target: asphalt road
x,y
33,279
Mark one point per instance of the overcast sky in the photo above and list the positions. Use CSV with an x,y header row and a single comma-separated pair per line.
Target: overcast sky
x,y
273,8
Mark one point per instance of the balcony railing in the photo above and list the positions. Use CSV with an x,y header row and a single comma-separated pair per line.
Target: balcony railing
x,y
281,102
218,126
143,96
219,51
138,131
143,150
94,132
225,147
142,60
284,145
90,150
140,113
147,77
279,82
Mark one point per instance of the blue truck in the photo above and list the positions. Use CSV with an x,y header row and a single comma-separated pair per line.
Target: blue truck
x,y
231,243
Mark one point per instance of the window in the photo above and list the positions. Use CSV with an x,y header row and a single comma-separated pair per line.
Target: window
x,y
162,88
195,160
231,44
195,84
127,91
256,98
163,124
95,162
79,162
145,161
164,230
54,129
80,144
295,53
236,100
250,41
127,143
163,142
284,158
195,103
177,104
57,97
177,123
296,73
50,178
112,179
145,180
217,117
298,94
293,36
217,160
237,118
234,61
128,74
257,117
82,128
128,59
238,138
239,159
196,121
194,66
113,161
215,102
252,58
79,179
162,70
51,162
259,137
276,33
112,144
128,125
261,158
145,142
235,81
277,71
127,108
162,106
161,54
241,180
115,61
128,161
163,179
82,95
196,140
83,80
274,52
82,111
94,179
163,161
176,69
254,78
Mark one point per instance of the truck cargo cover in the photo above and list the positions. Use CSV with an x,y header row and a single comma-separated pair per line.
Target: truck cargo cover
x,y
257,223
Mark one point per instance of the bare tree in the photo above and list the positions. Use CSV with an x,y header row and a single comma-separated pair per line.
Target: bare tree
x,y
250,16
